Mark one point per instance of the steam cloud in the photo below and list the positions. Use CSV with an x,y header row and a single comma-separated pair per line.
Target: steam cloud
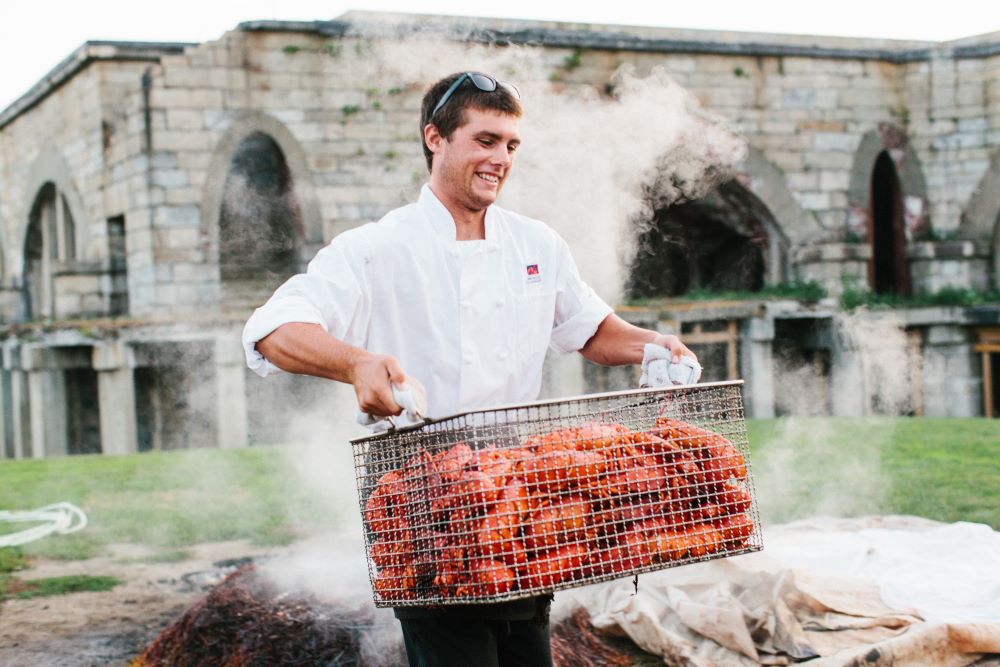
x,y
589,166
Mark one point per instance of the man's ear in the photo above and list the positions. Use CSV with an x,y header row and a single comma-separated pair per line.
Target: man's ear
x,y
432,137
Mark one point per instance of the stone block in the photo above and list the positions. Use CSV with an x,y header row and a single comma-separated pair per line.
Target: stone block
x,y
192,140
215,119
739,97
197,77
185,98
835,141
195,273
194,161
170,178
183,196
946,334
177,216
813,201
185,119
290,116
808,180
307,132
278,81
834,180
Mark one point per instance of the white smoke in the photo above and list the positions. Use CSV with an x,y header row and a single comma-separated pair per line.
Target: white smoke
x,y
589,164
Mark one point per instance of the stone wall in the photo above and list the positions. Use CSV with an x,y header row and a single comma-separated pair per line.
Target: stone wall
x,y
815,112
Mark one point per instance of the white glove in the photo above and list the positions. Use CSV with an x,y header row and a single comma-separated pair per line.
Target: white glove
x,y
411,397
659,371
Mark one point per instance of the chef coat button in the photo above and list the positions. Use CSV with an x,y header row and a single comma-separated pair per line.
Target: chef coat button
x,y
499,304
468,360
502,356
466,305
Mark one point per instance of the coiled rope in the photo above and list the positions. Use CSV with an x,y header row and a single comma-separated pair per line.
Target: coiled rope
x,y
62,518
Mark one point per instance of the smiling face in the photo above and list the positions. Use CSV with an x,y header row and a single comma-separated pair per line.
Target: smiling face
x,y
470,167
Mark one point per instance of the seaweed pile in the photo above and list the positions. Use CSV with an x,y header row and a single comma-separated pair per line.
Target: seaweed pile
x,y
247,621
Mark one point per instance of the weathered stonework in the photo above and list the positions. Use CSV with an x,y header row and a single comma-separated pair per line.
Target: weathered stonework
x,y
146,134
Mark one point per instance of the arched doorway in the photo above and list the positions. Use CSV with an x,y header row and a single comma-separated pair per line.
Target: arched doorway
x,y
887,271
260,221
50,241
721,242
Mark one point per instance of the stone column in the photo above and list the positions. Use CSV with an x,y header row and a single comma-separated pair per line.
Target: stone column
x,y
46,390
231,395
758,367
848,390
6,414
19,426
952,383
116,388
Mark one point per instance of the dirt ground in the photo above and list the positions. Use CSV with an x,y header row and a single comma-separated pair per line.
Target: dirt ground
x,y
112,627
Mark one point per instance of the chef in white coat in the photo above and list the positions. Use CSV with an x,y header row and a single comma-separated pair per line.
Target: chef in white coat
x,y
458,299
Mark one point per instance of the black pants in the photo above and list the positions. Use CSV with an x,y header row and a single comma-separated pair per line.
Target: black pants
x,y
447,641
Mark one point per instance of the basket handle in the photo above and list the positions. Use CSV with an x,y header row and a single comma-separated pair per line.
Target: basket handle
x,y
411,399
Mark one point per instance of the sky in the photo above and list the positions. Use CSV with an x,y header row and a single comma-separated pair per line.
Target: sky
x,y
35,35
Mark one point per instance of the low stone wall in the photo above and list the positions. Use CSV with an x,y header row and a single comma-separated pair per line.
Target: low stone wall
x,y
949,264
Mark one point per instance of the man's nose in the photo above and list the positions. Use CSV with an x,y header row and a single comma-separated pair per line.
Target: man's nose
x,y
501,156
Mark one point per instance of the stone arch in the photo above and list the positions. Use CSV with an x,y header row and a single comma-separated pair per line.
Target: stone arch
x,y
981,217
725,241
890,138
243,126
768,183
785,224
49,167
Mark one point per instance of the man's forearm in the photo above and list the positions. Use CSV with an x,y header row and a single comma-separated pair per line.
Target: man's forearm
x,y
616,342
306,349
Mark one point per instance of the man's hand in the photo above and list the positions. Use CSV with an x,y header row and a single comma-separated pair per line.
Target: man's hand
x,y
676,347
373,376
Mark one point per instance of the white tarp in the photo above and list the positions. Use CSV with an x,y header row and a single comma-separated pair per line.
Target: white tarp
x,y
872,591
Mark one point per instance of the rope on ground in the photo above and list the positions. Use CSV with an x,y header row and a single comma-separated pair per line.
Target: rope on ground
x,y
62,518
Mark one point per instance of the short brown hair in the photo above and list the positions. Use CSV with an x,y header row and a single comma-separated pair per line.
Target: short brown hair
x,y
451,116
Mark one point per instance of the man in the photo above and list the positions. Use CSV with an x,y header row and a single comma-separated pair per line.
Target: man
x,y
465,298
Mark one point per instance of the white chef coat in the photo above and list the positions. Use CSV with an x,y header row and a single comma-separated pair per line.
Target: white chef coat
x,y
471,320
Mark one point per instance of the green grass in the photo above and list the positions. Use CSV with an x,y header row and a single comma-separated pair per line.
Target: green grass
x,y
21,589
949,296
803,291
943,469
169,500
11,560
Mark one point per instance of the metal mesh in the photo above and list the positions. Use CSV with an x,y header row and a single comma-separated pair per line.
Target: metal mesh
x,y
514,502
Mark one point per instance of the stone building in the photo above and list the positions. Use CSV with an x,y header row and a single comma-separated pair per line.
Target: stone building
x,y
151,194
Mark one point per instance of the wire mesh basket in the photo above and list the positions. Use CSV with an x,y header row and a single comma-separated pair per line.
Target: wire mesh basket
x,y
518,501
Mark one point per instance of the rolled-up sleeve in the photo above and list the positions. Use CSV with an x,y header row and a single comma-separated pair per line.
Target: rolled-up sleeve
x,y
329,294
579,311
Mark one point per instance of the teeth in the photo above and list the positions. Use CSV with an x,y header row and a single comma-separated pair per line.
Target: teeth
x,y
489,177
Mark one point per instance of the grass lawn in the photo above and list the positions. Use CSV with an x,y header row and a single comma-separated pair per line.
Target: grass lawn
x,y
944,469
169,500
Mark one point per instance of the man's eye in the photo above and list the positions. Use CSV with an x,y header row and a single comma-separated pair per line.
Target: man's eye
x,y
511,148
486,142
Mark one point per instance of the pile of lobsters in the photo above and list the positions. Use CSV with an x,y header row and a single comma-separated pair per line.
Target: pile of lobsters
x,y
572,505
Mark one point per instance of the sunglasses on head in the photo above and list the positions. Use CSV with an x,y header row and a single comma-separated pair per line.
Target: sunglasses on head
x,y
483,82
